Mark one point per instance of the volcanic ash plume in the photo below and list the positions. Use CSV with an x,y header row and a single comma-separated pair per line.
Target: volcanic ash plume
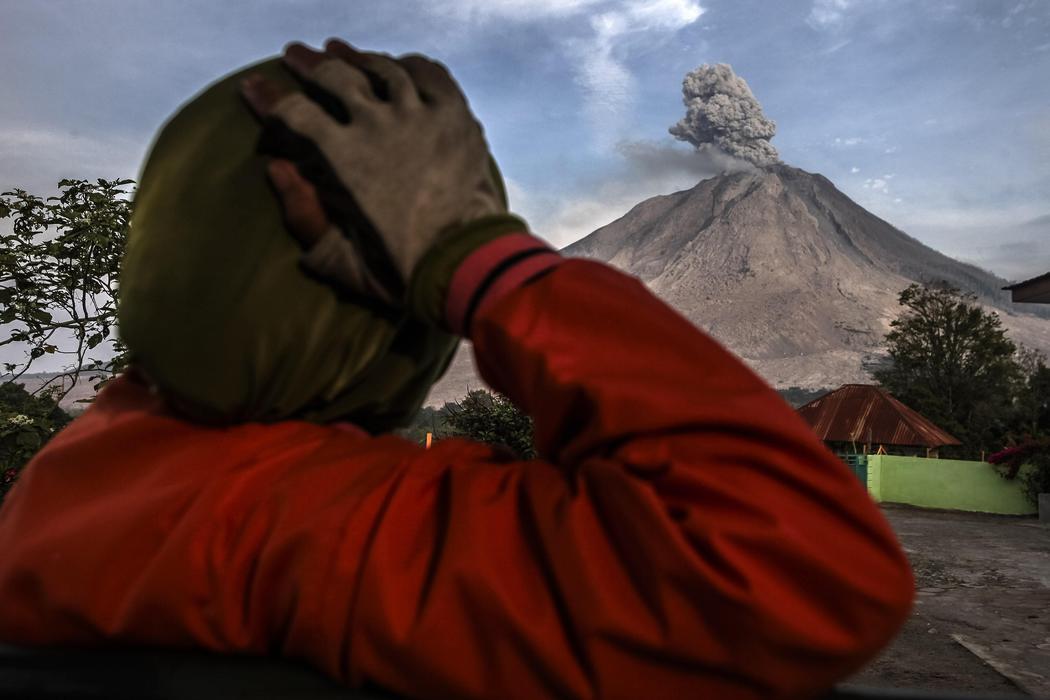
x,y
722,112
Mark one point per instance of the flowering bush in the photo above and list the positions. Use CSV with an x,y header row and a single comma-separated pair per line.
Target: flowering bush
x,y
1034,453
26,423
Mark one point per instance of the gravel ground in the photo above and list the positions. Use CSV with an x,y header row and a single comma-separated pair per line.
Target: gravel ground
x,y
982,616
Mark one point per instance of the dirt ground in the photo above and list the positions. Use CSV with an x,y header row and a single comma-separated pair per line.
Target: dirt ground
x,y
982,616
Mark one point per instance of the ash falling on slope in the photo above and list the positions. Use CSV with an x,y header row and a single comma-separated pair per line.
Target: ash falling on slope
x,y
723,114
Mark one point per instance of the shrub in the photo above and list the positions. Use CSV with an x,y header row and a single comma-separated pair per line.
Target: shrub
x,y
27,422
494,419
1035,454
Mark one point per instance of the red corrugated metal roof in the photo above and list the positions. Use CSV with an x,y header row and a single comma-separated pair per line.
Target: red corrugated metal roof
x,y
864,414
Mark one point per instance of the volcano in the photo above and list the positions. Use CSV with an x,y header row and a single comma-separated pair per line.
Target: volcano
x,y
784,270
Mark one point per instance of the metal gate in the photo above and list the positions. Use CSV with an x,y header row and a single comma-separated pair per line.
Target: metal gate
x,y
858,464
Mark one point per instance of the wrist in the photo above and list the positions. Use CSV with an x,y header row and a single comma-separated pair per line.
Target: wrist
x,y
491,272
475,268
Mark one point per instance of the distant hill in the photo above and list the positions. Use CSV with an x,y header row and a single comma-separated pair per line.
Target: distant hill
x,y
73,402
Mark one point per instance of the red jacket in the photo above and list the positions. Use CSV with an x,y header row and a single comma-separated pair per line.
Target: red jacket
x,y
686,534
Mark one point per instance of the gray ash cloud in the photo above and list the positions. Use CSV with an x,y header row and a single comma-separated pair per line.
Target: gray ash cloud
x,y
722,112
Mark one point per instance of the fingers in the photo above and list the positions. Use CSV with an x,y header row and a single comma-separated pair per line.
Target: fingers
x,y
432,79
397,82
303,212
298,112
334,77
304,116
260,94
348,84
358,79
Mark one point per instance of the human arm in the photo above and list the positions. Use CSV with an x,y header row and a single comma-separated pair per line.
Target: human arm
x,y
684,534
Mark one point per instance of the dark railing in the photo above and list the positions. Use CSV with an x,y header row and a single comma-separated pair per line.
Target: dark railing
x,y
50,674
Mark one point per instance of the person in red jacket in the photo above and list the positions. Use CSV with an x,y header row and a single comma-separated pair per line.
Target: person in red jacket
x,y
684,534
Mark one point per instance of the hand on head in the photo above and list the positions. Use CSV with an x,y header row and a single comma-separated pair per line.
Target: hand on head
x,y
381,154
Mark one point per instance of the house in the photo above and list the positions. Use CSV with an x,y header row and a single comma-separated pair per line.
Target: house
x,y
1033,291
865,419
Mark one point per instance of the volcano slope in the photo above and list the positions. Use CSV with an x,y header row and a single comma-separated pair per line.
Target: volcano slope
x,y
783,269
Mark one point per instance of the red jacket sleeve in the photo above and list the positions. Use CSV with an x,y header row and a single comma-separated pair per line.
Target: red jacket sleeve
x,y
685,535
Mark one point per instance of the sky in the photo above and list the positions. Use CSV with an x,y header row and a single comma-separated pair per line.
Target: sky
x,y
933,115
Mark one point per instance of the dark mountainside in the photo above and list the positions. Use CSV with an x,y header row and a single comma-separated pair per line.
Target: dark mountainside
x,y
785,270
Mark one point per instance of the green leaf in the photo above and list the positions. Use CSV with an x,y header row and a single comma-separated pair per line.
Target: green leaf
x,y
40,315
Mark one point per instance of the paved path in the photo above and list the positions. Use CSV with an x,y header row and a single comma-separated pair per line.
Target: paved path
x,y
982,618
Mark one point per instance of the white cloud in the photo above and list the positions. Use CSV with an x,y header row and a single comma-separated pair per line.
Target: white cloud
x,y
670,15
892,149
877,184
854,170
848,141
826,14
598,54
516,10
606,80
837,46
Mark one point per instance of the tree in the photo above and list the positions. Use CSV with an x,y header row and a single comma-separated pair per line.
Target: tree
x,y
494,419
27,422
58,279
1032,403
951,360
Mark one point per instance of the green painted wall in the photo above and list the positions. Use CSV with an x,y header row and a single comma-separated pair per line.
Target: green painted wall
x,y
874,478
944,483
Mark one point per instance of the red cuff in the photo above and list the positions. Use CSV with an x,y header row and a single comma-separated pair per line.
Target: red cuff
x,y
491,272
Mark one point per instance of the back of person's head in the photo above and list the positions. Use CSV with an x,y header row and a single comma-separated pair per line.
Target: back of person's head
x,y
216,310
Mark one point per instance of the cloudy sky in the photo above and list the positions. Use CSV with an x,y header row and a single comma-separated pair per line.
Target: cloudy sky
x,y
934,115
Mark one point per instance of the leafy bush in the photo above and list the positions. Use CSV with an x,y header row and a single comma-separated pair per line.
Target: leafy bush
x,y
27,422
59,267
494,419
1034,454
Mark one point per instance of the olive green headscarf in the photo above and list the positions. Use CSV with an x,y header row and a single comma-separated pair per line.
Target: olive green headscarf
x,y
216,310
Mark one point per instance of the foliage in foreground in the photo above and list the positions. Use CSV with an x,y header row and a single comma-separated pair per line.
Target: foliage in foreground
x,y
480,415
494,419
58,299
58,278
27,422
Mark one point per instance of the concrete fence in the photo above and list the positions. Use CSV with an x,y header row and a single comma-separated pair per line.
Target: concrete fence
x,y
945,483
